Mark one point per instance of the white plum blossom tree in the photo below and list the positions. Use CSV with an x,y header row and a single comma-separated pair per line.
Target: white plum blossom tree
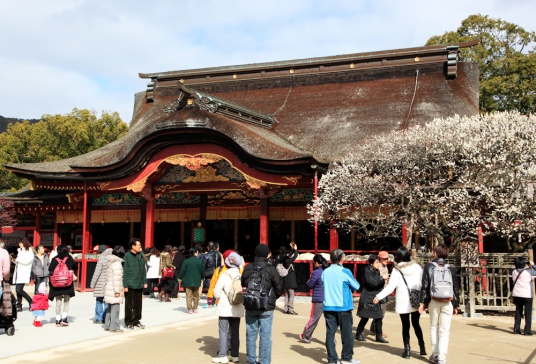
x,y
443,178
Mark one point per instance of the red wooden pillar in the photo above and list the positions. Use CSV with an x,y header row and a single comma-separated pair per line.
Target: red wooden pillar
x,y
86,239
316,212
149,223
480,239
404,234
37,230
263,231
333,236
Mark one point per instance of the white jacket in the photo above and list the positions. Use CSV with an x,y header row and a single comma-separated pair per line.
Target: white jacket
x,y
413,273
114,280
153,267
225,308
24,266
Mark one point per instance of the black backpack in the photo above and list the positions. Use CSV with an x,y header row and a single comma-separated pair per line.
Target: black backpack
x,y
256,297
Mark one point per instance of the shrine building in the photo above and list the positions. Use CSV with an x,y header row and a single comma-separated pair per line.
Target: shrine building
x,y
230,154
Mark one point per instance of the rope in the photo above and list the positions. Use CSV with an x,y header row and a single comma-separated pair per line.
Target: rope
x,y
405,124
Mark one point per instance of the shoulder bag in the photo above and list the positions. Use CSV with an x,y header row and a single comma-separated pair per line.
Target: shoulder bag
x,y
414,294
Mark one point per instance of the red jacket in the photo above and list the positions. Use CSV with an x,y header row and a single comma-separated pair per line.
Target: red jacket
x,y
39,302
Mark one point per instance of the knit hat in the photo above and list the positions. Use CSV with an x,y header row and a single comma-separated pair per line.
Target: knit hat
x,y
226,253
233,260
383,254
42,288
102,248
262,251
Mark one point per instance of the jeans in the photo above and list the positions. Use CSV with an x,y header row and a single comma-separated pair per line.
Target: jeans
x,y
289,300
523,304
259,322
440,318
100,309
344,320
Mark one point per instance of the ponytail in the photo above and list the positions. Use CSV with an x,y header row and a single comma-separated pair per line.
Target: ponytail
x,y
321,260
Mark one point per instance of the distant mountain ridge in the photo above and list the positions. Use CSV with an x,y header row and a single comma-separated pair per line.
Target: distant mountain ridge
x,y
5,121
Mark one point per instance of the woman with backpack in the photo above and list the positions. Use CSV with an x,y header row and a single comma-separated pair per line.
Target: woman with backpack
x,y
406,276
315,283
372,285
23,270
61,283
230,308
522,292
166,284
113,288
286,271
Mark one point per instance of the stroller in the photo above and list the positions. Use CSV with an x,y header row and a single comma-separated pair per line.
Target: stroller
x,y
8,310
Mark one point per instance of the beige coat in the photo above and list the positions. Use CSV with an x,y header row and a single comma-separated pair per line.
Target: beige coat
x,y
114,280
225,308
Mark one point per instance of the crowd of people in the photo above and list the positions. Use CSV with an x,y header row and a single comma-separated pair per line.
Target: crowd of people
x,y
238,290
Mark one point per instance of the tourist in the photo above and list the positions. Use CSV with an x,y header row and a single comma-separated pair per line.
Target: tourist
x,y
372,285
315,283
211,260
178,260
97,283
214,280
200,255
23,270
259,321
5,262
339,283
40,266
384,270
153,271
439,307
39,304
192,275
289,281
61,294
229,314
406,276
175,285
166,284
134,276
522,292
113,289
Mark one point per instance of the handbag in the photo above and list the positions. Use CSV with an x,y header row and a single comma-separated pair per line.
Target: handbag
x,y
167,273
512,289
414,294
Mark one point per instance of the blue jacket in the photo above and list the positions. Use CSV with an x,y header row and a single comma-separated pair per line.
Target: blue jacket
x,y
315,283
338,283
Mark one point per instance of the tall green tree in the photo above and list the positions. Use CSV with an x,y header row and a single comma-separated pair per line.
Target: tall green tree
x,y
56,137
507,59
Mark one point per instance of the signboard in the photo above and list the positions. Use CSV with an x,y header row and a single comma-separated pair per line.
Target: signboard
x,y
469,254
13,238
78,240
47,240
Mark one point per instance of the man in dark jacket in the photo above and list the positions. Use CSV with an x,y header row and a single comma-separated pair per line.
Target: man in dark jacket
x,y
192,275
260,321
134,281
211,260
178,260
440,310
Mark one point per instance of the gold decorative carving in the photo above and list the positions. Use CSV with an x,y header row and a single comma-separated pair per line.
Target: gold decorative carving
x,y
193,162
103,185
253,182
164,188
291,179
205,174
234,196
254,202
214,202
137,186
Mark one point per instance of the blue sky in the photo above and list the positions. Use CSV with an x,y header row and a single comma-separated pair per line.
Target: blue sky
x,y
56,55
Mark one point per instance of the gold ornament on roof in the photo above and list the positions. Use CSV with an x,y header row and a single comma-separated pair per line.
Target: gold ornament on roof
x,y
137,186
205,174
193,162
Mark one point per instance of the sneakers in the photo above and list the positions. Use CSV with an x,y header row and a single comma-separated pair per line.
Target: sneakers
x,y
64,322
190,312
303,340
233,359
351,361
195,311
433,358
58,323
140,325
442,361
206,306
220,359
118,330
37,324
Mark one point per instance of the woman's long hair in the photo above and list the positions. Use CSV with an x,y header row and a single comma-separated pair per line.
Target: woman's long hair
x,y
319,258
26,245
154,252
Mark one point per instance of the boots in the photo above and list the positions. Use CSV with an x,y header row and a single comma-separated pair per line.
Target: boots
x,y
380,339
19,306
406,354
167,298
359,337
422,347
160,295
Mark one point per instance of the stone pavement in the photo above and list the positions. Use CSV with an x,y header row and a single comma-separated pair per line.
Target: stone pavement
x,y
173,335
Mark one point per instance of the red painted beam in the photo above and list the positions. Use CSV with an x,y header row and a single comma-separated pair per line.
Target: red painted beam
x,y
263,231
149,223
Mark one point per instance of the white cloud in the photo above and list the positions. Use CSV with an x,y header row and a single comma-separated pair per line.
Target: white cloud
x,y
57,55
